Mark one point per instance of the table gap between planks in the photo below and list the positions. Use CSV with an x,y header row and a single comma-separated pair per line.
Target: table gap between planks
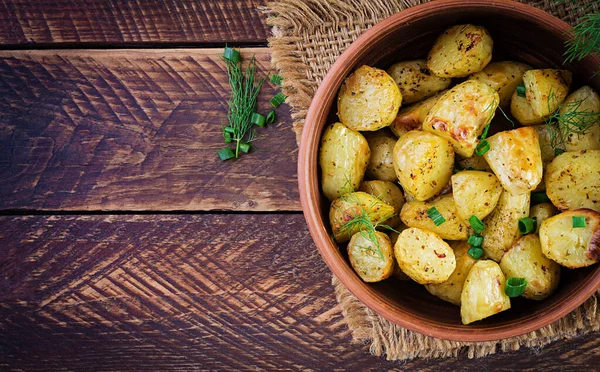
x,y
125,243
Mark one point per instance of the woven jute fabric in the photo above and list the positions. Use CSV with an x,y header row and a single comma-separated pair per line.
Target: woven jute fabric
x,y
308,36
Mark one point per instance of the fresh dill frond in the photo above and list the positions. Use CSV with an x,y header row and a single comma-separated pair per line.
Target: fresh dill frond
x,y
585,37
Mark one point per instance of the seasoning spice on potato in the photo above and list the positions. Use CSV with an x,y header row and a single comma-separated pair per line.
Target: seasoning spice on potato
x,y
570,246
415,80
381,162
521,109
414,214
483,292
541,212
423,163
424,256
503,77
475,193
581,109
368,100
460,51
546,144
387,192
475,162
461,115
366,257
526,260
412,117
546,89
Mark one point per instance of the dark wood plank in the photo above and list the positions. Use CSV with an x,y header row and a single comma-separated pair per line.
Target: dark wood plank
x,y
182,292
131,21
133,130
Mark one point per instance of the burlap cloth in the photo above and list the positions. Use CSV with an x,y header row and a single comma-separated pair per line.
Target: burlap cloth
x,y
308,36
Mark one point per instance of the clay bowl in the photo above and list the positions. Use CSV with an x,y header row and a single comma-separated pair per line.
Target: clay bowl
x,y
520,33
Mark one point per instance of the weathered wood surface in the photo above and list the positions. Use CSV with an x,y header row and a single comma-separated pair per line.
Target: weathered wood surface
x,y
132,21
182,292
134,130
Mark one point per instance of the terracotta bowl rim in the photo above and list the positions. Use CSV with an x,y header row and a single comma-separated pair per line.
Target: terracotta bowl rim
x,y
310,199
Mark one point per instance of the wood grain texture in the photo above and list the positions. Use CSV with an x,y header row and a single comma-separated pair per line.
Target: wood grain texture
x,y
133,130
131,21
182,292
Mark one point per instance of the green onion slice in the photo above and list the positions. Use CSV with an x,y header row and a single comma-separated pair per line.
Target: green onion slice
x,y
578,221
475,252
539,197
515,287
521,90
435,215
527,225
232,54
485,132
558,152
245,147
271,117
227,137
228,130
476,224
277,100
276,79
482,148
257,119
226,153
475,240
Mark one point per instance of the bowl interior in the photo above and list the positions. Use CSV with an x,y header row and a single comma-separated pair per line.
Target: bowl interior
x,y
520,33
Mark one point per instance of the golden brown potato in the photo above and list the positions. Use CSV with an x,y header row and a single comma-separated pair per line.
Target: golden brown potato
x,y
570,246
414,214
347,210
525,260
368,100
371,256
460,51
415,80
516,159
387,192
502,225
412,117
451,289
343,157
461,114
381,163
424,256
573,180
483,292
546,89
542,212
503,77
475,193
547,145
475,162
521,109
423,163
578,111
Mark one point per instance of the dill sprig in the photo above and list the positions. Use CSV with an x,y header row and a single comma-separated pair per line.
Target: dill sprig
x,y
585,37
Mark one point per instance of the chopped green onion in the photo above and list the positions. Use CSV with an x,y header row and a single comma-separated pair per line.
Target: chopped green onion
x,y
578,221
257,119
226,153
521,90
475,252
527,225
476,224
277,100
485,132
227,137
475,240
539,197
435,215
276,79
232,54
558,152
482,148
515,287
245,147
229,130
271,117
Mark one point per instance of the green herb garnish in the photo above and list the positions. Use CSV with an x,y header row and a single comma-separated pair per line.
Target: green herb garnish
x,y
476,224
475,252
257,119
482,148
436,216
271,117
225,153
578,222
527,225
475,240
515,287
276,79
277,100
521,90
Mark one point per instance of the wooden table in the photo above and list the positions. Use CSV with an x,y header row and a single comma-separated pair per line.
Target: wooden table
x,y
124,242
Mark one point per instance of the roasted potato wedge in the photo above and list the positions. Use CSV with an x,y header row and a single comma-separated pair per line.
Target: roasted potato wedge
x,y
415,80
423,163
460,51
475,162
521,109
547,145
526,260
580,109
414,214
573,180
368,100
381,163
475,193
424,256
503,77
389,193
542,212
344,156
516,159
572,247
412,117
483,292
372,262
546,89
461,114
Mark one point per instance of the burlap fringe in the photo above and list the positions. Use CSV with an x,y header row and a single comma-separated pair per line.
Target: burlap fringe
x,y
308,36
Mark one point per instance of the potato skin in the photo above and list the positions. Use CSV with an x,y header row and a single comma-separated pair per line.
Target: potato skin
x,y
381,163
415,80
343,156
572,247
368,100
412,117
365,259
585,99
351,205
424,256
461,114
476,162
526,260
521,109
516,159
542,212
414,214
423,163
475,193
483,292
451,289
546,89
503,77
545,141
389,193
460,51
573,180
502,225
